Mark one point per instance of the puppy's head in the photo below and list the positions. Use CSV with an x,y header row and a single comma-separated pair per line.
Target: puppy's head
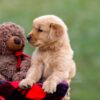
x,y
46,29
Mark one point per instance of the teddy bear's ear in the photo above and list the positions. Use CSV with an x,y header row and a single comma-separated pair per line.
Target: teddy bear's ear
x,y
57,30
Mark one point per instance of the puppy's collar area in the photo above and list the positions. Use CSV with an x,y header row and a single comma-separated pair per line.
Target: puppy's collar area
x,y
19,56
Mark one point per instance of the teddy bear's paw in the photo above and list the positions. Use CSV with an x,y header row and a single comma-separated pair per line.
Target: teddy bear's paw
x,y
18,76
26,83
49,86
2,77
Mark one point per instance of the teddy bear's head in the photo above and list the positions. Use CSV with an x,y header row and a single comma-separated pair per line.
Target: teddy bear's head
x,y
11,38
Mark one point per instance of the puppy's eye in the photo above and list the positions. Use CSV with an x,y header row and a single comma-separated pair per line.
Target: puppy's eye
x,y
40,30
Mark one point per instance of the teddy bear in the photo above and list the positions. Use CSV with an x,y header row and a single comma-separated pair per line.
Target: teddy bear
x,y
13,62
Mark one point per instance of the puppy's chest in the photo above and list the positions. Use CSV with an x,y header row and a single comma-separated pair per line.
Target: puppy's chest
x,y
47,66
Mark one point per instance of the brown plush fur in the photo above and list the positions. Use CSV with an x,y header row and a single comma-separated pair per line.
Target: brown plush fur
x,y
12,40
53,57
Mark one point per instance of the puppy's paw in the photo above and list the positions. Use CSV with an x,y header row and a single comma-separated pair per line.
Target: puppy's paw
x,y
49,86
26,83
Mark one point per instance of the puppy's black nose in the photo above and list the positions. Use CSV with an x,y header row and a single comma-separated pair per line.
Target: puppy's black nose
x,y
29,37
17,41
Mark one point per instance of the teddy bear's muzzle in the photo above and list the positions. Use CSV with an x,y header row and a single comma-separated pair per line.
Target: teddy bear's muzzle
x,y
17,41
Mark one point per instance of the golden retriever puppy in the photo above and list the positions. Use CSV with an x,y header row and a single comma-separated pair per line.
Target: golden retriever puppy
x,y
53,57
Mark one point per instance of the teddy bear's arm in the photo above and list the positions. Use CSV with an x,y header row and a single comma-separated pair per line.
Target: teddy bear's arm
x,y
18,76
25,64
2,77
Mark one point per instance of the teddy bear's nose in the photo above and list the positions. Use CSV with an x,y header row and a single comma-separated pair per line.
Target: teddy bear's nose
x,y
17,41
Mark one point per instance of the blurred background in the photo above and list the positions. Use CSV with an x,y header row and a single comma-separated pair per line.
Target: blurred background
x,y
83,20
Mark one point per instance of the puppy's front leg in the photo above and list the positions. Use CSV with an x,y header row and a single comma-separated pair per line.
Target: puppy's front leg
x,y
53,80
33,75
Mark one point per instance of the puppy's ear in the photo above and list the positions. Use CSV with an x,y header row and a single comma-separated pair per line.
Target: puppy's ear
x,y
56,30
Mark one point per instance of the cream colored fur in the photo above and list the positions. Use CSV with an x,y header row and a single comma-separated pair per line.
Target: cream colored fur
x,y
53,57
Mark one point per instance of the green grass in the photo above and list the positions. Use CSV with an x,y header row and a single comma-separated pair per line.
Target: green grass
x,y
83,19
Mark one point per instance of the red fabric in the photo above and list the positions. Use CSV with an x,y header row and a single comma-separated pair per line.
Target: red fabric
x,y
11,91
36,92
14,84
1,98
18,55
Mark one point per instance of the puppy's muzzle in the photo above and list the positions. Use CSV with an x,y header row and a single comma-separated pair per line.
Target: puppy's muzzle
x,y
29,37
